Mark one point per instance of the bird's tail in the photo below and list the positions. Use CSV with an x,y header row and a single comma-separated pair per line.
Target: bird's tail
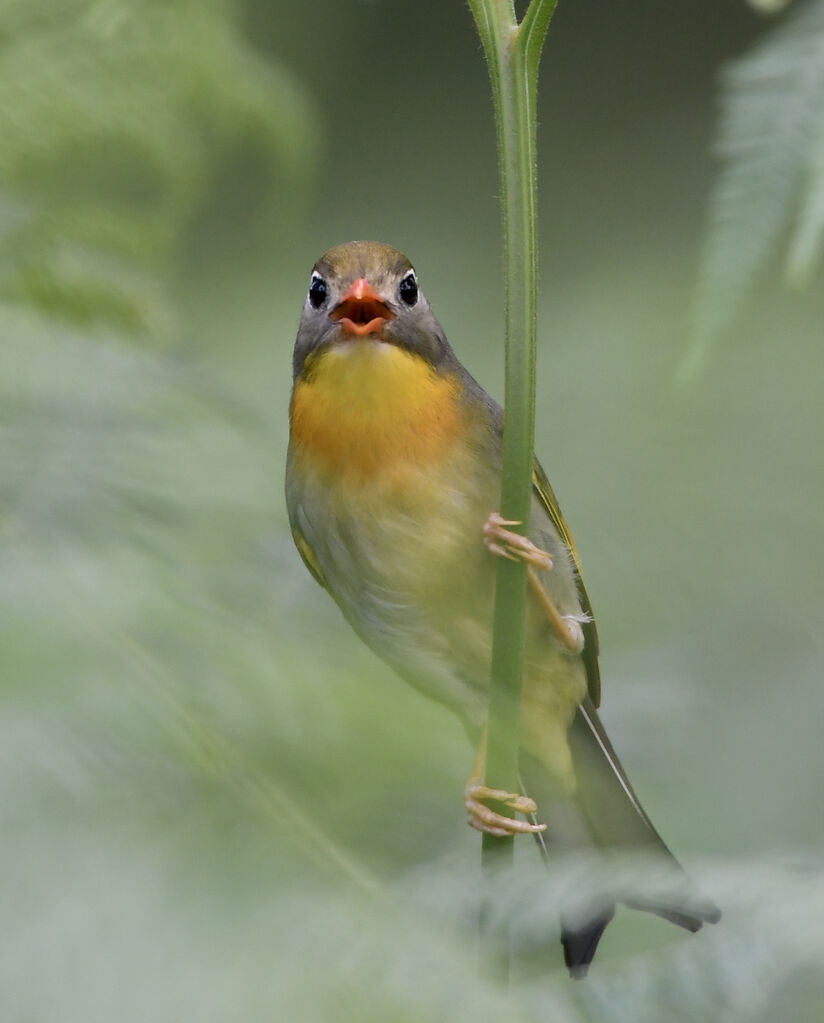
x,y
604,813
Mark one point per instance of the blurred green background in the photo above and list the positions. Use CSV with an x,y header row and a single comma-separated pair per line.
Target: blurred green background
x,y
215,804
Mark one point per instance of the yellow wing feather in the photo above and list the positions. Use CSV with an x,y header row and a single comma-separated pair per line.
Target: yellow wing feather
x,y
590,653
308,556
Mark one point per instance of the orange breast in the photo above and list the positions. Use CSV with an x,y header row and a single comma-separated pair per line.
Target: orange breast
x,y
367,408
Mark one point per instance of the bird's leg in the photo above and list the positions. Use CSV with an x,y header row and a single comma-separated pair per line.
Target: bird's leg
x,y
567,628
507,544
482,817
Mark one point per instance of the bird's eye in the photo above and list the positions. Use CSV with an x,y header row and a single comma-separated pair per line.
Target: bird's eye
x,y
318,291
408,288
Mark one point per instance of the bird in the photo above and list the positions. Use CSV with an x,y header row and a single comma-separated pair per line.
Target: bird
x,y
393,475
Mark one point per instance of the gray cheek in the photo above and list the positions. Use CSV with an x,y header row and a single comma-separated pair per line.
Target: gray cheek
x,y
315,328
418,335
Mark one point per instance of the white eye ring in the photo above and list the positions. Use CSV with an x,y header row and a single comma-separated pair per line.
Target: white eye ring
x,y
318,290
409,284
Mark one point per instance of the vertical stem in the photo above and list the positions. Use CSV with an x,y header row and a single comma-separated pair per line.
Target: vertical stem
x,y
512,53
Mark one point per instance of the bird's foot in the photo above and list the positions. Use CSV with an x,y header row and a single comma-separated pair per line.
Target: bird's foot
x,y
574,641
567,628
507,544
483,818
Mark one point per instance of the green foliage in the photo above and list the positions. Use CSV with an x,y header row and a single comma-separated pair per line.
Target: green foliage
x,y
117,119
771,186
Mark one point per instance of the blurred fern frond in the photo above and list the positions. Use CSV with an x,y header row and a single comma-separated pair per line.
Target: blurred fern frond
x,y
769,6
771,185
116,118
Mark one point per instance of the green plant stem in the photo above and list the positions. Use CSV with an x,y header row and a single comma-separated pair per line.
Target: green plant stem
x,y
512,53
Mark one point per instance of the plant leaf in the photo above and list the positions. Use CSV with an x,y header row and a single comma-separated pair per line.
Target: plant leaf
x,y
117,118
772,174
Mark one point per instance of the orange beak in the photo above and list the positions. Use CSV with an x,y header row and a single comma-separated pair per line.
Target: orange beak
x,y
361,310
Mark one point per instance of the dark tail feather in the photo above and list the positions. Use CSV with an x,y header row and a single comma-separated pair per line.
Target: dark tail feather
x,y
581,941
616,818
605,813
700,911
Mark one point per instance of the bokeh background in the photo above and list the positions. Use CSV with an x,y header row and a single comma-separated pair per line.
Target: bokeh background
x,y
215,804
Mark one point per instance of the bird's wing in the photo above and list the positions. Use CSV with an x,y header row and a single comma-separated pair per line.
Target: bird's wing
x,y
308,555
543,491
547,498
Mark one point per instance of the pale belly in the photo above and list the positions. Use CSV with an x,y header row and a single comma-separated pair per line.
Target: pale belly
x,y
412,576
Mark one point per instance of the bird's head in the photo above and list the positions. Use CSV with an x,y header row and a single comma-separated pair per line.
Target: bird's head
x,y
367,291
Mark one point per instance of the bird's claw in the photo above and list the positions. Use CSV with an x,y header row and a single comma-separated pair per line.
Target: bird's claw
x,y
508,544
483,818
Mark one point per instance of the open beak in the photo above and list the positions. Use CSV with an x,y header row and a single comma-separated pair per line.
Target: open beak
x,y
361,310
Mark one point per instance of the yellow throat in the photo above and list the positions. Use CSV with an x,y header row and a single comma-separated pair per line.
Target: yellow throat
x,y
366,408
